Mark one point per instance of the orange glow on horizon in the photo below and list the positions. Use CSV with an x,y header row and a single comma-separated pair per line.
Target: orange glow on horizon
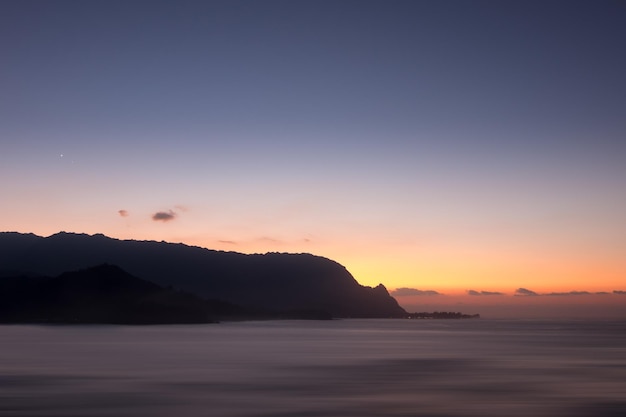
x,y
451,271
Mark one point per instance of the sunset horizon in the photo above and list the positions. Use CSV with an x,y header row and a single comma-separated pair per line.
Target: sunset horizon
x,y
322,208
539,302
436,146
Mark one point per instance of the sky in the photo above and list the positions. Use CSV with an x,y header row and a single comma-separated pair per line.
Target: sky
x,y
443,148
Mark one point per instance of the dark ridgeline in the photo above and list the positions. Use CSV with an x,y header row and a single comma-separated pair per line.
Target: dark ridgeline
x,y
272,285
102,294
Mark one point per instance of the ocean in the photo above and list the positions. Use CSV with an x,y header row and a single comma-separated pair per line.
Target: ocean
x,y
340,368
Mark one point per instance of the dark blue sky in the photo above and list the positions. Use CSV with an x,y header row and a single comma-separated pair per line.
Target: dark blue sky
x,y
413,126
315,65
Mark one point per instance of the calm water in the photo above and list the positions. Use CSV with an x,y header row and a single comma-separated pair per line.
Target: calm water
x,y
355,368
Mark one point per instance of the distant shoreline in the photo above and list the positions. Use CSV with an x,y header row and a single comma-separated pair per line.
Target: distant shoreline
x,y
445,315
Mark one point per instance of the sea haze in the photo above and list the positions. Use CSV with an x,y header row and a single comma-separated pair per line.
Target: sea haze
x,y
317,369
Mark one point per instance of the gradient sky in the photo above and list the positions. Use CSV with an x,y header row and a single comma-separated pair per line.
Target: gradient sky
x,y
435,145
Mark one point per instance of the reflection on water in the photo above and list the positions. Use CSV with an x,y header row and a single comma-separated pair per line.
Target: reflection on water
x,y
356,368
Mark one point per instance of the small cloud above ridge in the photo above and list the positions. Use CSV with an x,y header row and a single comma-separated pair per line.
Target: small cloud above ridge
x,y
559,294
524,292
123,213
480,293
164,216
404,291
269,239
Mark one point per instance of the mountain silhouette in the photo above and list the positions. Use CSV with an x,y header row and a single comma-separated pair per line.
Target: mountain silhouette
x,y
102,294
272,282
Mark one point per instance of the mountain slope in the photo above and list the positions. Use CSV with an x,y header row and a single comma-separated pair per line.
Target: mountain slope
x,y
272,282
102,294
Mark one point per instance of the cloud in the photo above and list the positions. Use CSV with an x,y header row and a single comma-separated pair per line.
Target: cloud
x,y
569,293
123,213
525,292
228,242
268,239
619,292
401,292
164,216
473,292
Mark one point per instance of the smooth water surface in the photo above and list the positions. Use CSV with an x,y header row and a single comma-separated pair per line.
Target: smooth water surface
x,y
355,368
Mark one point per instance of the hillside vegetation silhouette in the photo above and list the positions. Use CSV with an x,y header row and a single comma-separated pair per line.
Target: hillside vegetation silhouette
x,y
102,294
272,284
